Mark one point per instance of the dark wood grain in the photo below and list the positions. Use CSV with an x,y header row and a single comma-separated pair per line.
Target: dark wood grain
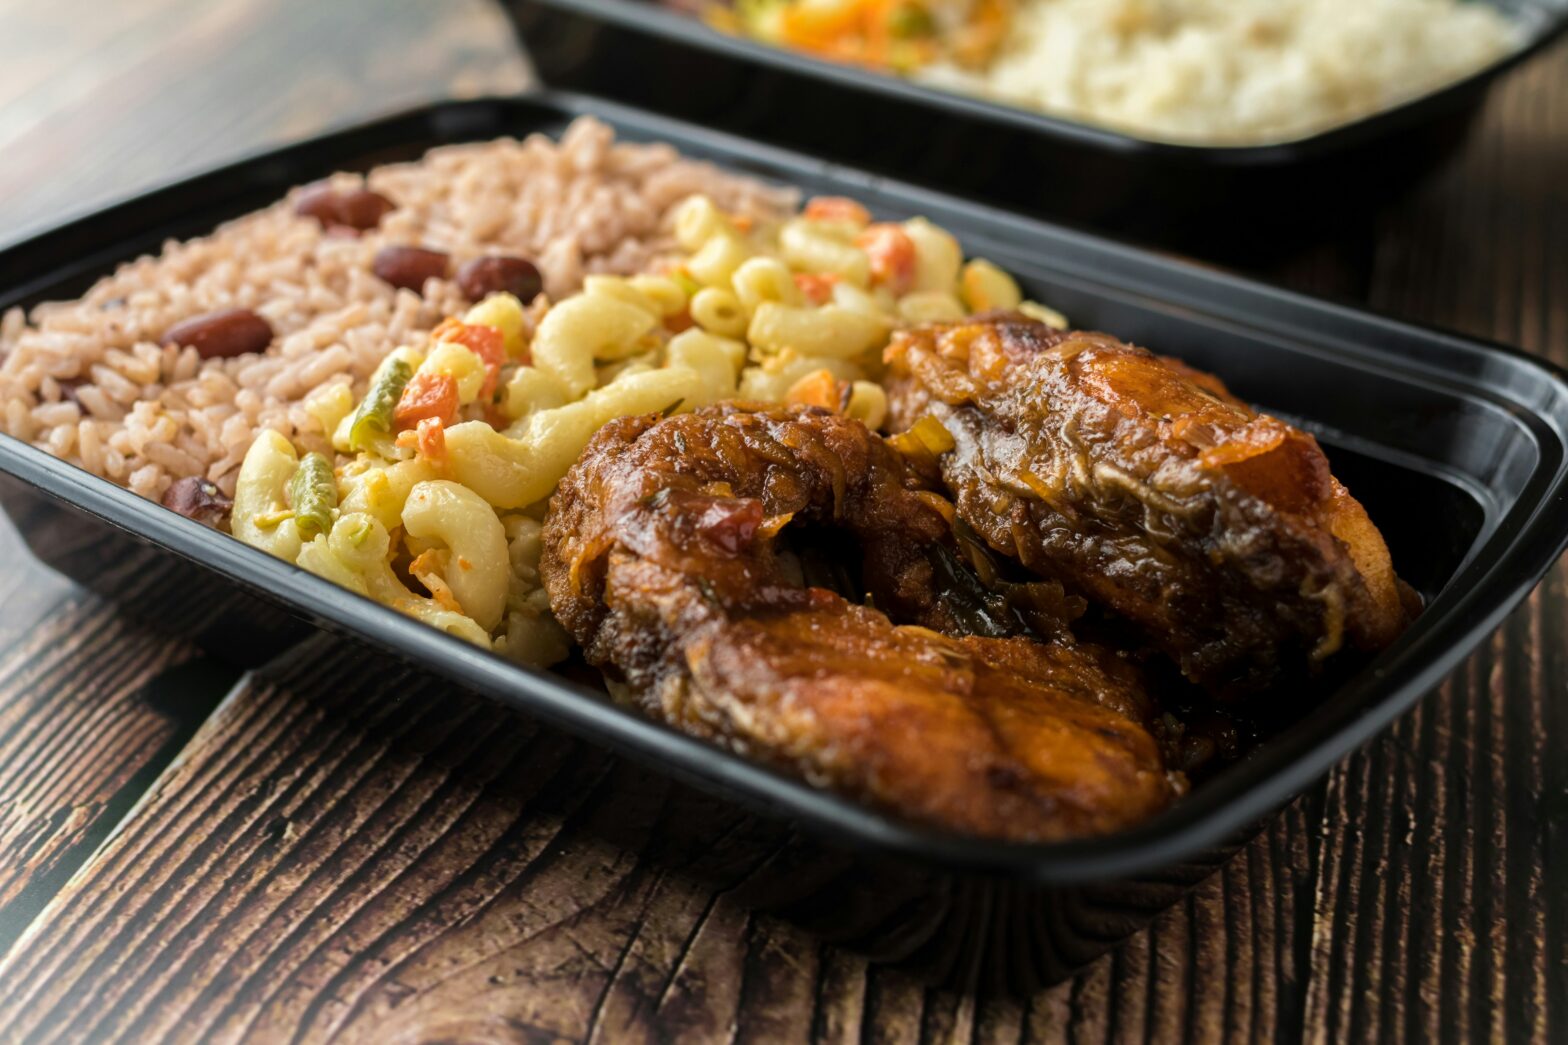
x,y
426,868
93,708
322,869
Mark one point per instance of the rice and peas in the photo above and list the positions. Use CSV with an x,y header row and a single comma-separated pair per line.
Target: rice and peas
x,y
382,379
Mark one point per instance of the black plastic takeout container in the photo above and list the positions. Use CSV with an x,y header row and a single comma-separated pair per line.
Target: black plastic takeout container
x,y
1457,448
1240,201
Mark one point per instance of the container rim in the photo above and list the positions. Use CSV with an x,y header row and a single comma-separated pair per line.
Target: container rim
x,y
1519,551
649,17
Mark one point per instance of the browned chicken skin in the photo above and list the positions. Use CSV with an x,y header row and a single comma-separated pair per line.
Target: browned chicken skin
x,y
663,558
1145,486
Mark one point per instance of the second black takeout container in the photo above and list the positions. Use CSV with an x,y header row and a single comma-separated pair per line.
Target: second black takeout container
x,y
1457,448
1237,201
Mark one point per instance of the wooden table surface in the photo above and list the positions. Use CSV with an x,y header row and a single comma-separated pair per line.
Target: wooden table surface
x,y
193,855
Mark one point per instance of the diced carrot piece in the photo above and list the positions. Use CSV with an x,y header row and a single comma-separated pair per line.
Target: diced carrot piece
x,y
426,568
818,388
432,442
836,208
486,342
817,286
892,256
427,561
449,329
425,396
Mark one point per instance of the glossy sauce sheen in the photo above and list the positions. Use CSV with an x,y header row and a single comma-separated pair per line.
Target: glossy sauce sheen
x,y
661,558
1147,487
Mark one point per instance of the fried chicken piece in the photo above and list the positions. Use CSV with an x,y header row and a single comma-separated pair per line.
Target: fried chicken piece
x,y
1146,486
663,557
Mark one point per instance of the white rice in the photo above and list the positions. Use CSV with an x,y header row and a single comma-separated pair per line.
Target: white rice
x,y
1232,71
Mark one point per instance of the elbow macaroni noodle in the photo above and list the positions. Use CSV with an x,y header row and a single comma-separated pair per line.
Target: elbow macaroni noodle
x,y
479,564
444,491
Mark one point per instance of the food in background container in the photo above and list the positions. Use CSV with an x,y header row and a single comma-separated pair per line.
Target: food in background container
x,y
1219,72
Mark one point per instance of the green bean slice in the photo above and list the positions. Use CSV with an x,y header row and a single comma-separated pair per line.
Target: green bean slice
x,y
373,418
313,494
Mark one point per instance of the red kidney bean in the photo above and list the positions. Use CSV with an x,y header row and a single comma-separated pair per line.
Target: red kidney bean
x,y
409,267
196,498
317,200
223,334
363,209
359,209
494,273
